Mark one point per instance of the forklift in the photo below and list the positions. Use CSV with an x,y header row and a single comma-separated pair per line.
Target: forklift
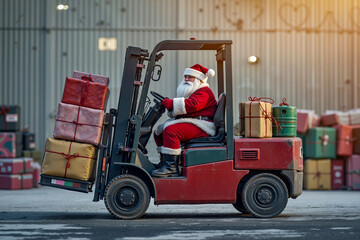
x,y
256,175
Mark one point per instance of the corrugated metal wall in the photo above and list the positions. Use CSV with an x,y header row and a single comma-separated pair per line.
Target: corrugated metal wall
x,y
308,49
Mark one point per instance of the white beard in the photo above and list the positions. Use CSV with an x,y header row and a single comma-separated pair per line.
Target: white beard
x,y
185,89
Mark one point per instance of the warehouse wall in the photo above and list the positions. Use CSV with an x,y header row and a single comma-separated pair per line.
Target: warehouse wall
x,y
308,49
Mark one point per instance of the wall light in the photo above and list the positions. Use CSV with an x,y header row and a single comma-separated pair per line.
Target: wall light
x,y
253,59
62,7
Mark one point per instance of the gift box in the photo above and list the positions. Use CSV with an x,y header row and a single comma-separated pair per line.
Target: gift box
x,y
353,172
344,140
315,121
10,144
16,181
242,118
36,174
78,124
310,113
329,119
337,174
16,165
85,93
68,159
94,77
258,119
34,154
320,142
29,141
354,116
356,139
302,122
317,174
9,118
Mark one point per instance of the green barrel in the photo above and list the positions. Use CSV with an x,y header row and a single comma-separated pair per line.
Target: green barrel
x,y
286,116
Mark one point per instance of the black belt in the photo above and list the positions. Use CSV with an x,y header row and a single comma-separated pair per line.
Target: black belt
x,y
198,117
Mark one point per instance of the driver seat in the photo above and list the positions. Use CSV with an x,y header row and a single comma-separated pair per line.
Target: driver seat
x,y
219,120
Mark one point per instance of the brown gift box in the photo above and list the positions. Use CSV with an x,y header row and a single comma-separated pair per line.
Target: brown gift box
x,y
317,174
85,93
78,124
329,119
258,119
356,139
69,160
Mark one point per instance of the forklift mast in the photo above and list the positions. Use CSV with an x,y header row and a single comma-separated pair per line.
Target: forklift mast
x,y
128,117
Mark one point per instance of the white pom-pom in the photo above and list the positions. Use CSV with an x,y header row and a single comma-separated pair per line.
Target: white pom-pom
x,y
210,73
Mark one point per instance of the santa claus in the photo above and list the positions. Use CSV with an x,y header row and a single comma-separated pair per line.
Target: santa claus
x,y
191,116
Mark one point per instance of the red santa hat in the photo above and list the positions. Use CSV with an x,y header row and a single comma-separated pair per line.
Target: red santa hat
x,y
200,72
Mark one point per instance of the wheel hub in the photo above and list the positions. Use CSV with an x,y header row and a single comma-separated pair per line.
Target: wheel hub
x,y
264,196
127,197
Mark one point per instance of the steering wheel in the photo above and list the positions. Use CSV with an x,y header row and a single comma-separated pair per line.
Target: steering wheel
x,y
157,96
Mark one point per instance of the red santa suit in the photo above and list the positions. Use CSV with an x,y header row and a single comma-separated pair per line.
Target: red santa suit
x,y
191,118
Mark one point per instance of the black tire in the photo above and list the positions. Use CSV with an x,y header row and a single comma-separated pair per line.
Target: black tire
x,y
265,195
127,197
240,206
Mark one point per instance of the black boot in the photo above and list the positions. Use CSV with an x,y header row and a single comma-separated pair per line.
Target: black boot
x,y
169,168
158,165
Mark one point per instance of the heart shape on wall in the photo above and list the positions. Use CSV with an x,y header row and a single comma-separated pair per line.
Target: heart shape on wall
x,y
300,11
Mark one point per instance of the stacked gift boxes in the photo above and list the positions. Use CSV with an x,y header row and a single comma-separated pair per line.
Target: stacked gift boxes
x,y
78,128
331,144
16,172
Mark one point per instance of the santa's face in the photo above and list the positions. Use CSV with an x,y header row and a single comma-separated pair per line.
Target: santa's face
x,y
188,86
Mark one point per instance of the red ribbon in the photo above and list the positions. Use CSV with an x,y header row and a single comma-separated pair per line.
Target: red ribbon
x,y
4,111
284,102
87,78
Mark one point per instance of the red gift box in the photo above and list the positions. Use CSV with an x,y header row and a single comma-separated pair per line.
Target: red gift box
x,y
302,122
36,174
337,174
15,165
10,144
78,124
16,181
85,93
353,172
344,140
329,119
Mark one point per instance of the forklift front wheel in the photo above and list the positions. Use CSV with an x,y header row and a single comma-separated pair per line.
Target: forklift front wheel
x,y
127,197
265,195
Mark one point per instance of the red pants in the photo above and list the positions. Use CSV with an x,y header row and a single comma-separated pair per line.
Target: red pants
x,y
170,139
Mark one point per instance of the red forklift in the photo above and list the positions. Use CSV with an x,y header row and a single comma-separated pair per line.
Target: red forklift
x,y
256,175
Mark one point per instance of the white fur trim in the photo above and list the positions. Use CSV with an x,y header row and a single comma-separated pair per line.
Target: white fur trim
x,y
165,150
195,73
179,106
206,126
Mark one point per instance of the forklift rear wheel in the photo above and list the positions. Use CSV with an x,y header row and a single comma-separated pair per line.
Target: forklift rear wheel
x,y
127,197
265,195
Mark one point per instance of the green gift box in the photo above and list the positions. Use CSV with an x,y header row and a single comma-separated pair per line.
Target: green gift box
x,y
9,118
320,142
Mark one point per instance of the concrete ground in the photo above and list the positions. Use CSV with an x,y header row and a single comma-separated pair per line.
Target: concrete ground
x,y
50,213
